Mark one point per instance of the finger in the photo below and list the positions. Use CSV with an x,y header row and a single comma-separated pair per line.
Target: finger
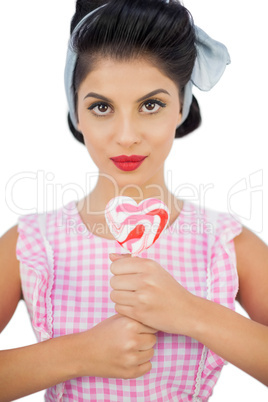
x,y
124,282
145,355
147,341
144,368
126,265
115,256
126,298
144,329
127,311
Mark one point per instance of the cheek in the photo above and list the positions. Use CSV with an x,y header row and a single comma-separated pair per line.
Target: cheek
x,y
93,144
164,133
95,130
168,124
164,136
96,150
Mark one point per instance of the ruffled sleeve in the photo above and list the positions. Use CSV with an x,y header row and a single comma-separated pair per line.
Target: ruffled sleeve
x,y
36,275
223,278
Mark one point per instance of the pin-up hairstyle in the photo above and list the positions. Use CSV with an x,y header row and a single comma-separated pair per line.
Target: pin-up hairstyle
x,y
162,33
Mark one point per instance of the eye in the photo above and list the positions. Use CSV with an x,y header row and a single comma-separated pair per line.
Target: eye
x,y
100,109
152,106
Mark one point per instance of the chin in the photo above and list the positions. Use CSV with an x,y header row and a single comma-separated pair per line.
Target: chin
x,y
130,179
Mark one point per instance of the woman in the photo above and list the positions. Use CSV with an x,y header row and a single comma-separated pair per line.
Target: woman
x,y
120,92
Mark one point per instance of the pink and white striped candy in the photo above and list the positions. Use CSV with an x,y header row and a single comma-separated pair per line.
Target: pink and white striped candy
x,y
136,226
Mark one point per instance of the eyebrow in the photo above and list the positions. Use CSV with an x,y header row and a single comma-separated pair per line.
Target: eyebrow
x,y
98,96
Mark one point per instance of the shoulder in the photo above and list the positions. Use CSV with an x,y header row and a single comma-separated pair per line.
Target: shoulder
x,y
252,267
11,234
10,284
223,226
8,259
32,228
8,248
39,233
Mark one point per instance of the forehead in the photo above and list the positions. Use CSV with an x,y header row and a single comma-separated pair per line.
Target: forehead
x,y
137,74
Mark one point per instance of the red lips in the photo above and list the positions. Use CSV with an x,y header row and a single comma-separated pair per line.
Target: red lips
x,y
131,158
128,163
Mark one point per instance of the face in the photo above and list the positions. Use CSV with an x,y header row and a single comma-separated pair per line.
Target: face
x,y
128,108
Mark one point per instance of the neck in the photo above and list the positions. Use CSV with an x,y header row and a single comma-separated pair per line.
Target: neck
x,y
92,207
106,189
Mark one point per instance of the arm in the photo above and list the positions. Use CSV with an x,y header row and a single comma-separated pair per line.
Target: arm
x,y
148,293
30,369
18,365
98,352
241,341
10,286
235,338
117,347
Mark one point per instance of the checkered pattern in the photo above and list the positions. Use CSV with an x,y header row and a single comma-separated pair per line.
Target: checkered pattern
x,y
71,293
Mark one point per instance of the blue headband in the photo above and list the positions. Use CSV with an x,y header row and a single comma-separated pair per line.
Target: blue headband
x,y
212,58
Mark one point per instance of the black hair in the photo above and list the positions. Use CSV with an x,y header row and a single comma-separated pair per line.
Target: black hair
x,y
123,29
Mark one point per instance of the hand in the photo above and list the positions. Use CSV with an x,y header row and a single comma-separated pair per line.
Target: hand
x,y
117,347
146,292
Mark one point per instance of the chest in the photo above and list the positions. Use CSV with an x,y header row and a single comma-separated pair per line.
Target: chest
x,y
81,290
81,299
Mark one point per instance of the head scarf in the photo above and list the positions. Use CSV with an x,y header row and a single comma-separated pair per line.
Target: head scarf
x,y
212,58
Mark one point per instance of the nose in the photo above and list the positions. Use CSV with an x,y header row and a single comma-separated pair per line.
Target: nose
x,y
126,131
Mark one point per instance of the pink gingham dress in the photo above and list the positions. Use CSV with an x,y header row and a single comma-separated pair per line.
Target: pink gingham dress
x,y
65,280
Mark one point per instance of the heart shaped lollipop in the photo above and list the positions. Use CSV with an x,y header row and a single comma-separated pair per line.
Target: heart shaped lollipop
x,y
136,226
